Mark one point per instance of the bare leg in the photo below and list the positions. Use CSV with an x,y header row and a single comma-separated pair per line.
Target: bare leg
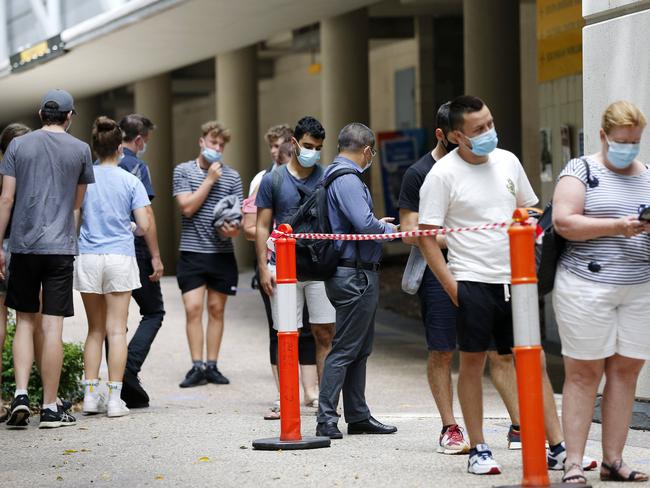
x,y
23,348
621,374
52,357
470,394
309,379
578,396
323,335
439,376
95,306
216,308
117,313
551,419
193,302
3,329
504,379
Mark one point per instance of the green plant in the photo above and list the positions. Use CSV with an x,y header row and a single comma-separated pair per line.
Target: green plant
x,y
70,384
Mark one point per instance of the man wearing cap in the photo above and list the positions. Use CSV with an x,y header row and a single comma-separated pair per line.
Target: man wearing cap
x,y
45,177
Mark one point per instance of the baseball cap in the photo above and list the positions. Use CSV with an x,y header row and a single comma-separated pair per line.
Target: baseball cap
x,y
61,97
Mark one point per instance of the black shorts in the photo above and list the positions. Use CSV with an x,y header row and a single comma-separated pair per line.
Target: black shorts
x,y
484,318
29,272
439,314
216,270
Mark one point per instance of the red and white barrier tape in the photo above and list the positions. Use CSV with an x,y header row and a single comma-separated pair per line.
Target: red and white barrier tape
x,y
276,234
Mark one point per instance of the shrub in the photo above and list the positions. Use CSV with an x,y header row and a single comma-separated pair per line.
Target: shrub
x,y
70,386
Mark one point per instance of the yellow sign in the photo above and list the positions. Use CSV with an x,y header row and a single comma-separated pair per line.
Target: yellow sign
x,y
34,52
559,38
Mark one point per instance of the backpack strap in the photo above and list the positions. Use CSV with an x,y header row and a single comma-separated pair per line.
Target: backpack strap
x,y
340,172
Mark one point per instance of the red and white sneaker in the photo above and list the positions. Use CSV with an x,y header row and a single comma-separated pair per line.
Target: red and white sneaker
x,y
452,441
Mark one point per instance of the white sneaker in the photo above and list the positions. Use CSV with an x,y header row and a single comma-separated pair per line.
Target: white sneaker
x,y
452,441
557,458
94,403
481,461
117,408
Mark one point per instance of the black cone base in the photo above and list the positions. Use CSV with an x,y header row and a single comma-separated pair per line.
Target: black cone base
x,y
552,485
275,444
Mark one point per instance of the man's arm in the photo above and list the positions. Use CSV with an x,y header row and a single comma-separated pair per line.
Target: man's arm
x,y
350,192
79,198
436,261
408,220
6,204
191,202
151,238
262,233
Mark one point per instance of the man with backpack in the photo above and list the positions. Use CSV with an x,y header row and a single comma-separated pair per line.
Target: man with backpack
x,y
353,289
280,195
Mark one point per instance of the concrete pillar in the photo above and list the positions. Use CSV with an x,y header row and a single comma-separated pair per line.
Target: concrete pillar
x,y
87,111
425,89
344,76
491,31
530,113
153,99
237,106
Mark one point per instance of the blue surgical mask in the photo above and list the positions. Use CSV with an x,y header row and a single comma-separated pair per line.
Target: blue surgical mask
x,y
485,143
308,157
621,155
211,155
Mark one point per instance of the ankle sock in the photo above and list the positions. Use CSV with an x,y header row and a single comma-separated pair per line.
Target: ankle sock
x,y
557,447
211,364
51,406
91,387
515,427
198,364
114,390
20,392
445,427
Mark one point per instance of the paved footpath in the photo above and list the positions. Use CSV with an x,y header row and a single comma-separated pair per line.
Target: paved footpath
x,y
202,436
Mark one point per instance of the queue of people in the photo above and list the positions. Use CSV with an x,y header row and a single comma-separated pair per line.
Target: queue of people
x,y
102,214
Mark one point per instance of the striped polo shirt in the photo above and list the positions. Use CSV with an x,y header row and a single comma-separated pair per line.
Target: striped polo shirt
x,y
197,232
616,260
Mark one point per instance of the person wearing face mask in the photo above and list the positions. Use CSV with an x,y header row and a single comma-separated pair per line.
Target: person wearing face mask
x,y
353,289
207,270
43,245
474,185
280,195
602,287
137,131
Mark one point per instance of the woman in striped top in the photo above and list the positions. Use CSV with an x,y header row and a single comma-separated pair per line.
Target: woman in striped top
x,y
602,288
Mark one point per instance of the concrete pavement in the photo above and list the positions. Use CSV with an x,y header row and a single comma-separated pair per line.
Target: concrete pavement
x,y
202,436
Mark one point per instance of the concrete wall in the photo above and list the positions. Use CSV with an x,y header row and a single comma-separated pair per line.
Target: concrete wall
x,y
617,66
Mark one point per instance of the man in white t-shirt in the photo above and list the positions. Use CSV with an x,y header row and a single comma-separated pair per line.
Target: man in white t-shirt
x,y
471,186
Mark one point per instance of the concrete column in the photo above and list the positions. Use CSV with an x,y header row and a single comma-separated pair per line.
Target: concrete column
x,y
237,106
491,31
153,99
425,89
87,111
344,77
530,113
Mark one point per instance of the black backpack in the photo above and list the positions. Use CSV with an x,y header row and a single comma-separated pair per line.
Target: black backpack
x,y
548,253
316,260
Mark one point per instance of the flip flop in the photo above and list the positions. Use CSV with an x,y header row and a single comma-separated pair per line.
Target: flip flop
x,y
272,414
577,479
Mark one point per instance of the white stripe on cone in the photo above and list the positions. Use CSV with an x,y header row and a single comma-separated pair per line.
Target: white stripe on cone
x,y
287,306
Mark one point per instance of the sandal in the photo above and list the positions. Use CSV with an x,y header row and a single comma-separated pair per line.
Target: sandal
x,y
273,413
613,473
577,479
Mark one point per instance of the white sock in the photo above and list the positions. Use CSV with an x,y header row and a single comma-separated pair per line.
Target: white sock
x,y
91,387
51,406
20,392
114,390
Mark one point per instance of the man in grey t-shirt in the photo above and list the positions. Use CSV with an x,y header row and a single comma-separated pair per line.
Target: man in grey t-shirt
x,y
46,172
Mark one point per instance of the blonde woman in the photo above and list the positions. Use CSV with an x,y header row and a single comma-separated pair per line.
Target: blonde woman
x,y
106,270
602,288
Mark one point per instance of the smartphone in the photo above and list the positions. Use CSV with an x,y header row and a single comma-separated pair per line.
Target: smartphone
x,y
644,213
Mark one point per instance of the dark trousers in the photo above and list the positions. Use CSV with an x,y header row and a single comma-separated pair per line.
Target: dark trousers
x,y
354,293
149,299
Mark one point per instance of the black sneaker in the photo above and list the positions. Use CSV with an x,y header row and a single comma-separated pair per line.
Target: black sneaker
x,y
132,392
19,416
66,405
52,420
194,377
213,375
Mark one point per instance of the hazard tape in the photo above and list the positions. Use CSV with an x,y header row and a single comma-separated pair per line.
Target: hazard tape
x,y
276,234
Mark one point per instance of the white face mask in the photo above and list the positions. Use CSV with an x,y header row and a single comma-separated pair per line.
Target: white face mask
x,y
143,150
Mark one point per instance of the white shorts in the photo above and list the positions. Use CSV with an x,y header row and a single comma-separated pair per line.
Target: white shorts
x,y
598,320
106,273
320,309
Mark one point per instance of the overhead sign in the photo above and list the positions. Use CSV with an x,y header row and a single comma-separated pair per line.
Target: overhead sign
x,y
559,38
36,54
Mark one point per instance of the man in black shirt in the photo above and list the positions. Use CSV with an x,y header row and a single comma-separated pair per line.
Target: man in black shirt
x,y
439,313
